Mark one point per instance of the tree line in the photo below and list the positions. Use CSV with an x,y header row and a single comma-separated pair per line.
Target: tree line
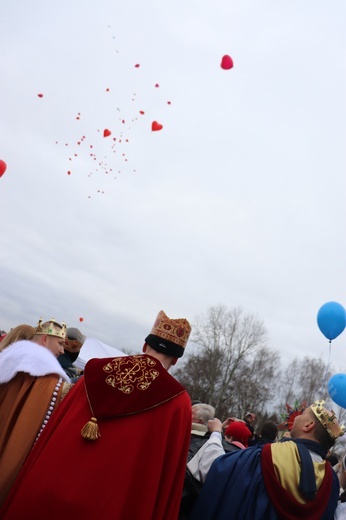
x,y
231,367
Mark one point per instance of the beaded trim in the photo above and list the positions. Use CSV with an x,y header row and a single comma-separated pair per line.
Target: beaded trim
x,y
50,407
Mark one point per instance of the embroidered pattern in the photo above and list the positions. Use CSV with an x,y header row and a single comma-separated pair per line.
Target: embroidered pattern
x,y
130,372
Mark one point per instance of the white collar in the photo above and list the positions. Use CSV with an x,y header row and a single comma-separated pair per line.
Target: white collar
x,y
31,358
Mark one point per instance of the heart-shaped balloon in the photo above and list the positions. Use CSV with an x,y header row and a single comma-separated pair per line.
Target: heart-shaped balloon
x,y
3,167
155,126
106,132
226,62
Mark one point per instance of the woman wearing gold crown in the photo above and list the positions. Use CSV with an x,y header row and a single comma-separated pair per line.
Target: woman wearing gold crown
x,y
32,384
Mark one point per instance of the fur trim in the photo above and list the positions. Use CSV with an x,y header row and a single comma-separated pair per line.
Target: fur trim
x,y
31,358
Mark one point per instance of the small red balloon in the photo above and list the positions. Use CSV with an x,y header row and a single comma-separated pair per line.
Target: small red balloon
x,y
3,167
40,95
226,62
106,133
81,319
137,65
155,126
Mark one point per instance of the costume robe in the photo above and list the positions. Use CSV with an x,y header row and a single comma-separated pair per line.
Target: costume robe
x,y
134,470
30,375
235,488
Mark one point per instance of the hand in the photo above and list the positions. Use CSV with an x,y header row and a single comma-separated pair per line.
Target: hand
x,y
214,425
227,422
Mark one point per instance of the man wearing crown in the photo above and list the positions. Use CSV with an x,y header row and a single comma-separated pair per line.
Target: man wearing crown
x,y
31,386
124,432
287,480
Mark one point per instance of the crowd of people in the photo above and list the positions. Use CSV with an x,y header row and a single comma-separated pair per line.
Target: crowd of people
x,y
122,439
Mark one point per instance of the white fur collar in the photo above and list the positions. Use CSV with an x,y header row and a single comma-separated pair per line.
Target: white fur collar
x,y
31,358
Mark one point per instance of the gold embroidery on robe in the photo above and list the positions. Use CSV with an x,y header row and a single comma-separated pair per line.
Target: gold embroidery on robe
x,y
130,372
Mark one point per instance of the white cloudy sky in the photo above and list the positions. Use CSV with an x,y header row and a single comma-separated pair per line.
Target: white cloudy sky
x,y
239,199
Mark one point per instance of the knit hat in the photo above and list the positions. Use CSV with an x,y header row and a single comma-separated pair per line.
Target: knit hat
x,y
239,432
75,334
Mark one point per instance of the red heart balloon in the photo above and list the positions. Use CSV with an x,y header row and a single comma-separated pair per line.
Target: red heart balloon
x,y
81,319
226,62
3,167
40,95
106,133
155,126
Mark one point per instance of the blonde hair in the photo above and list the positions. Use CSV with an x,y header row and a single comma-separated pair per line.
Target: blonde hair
x,y
16,334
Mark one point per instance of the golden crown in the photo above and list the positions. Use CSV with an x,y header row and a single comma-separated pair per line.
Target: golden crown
x,y
328,419
177,331
51,328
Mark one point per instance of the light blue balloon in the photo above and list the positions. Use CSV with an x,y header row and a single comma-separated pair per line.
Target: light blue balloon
x,y
331,319
337,389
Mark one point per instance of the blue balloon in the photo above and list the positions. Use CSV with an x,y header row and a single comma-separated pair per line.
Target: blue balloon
x,y
337,389
331,319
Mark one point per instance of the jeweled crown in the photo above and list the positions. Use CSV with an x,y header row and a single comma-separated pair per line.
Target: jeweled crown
x,y
175,330
51,328
328,419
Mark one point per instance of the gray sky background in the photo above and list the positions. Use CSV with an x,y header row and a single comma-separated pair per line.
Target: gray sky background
x,y
238,200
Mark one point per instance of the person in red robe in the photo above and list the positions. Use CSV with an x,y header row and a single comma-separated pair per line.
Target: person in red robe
x,y
117,445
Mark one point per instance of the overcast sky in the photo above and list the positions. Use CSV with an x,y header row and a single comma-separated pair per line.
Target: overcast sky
x,y
238,200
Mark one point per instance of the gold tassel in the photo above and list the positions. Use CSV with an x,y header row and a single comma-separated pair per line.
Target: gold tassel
x,y
90,430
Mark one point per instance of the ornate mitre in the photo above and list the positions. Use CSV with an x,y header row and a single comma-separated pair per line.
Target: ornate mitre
x,y
169,336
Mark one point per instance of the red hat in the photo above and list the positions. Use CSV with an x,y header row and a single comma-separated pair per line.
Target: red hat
x,y
239,432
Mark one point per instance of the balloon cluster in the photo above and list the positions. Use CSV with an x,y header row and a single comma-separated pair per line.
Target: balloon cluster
x,y
331,320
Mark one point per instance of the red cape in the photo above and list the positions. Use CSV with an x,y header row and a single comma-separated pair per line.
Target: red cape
x,y
134,470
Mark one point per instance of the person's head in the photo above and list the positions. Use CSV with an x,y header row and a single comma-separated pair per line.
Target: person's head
x,y
51,335
201,413
318,424
17,334
73,342
238,431
269,431
167,339
250,418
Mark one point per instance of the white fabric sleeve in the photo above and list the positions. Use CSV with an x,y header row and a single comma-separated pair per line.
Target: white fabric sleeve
x,y
200,464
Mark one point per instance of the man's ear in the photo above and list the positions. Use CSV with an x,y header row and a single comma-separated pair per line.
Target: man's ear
x,y
144,348
174,361
308,426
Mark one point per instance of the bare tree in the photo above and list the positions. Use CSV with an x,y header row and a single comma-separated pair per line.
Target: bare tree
x,y
233,368
305,380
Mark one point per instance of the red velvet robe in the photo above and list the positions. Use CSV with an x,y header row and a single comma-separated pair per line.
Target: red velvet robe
x,y
135,470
